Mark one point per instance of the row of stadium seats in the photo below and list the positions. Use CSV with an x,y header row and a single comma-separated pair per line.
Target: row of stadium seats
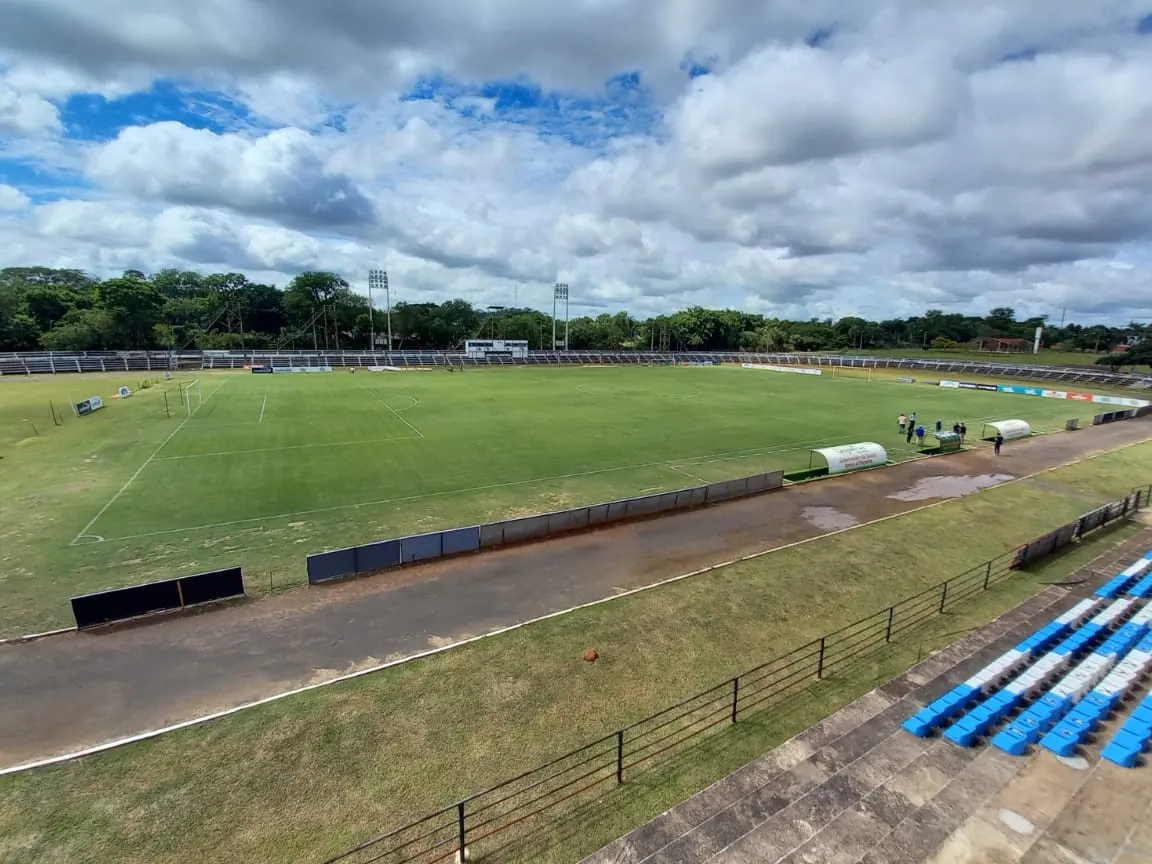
x,y
1103,645
1132,738
1043,714
1094,708
52,364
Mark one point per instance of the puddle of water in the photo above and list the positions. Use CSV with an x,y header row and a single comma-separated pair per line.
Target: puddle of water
x,y
829,518
950,487
1017,823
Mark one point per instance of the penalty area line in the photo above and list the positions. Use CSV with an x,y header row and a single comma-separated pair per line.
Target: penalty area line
x,y
408,498
395,413
84,531
286,447
263,405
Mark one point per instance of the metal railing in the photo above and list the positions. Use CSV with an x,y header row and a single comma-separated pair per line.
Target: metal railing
x,y
50,362
598,767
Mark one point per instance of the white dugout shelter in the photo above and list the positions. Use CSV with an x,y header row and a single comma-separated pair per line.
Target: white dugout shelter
x,y
1012,430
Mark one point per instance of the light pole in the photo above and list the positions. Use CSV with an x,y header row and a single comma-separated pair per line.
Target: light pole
x,y
560,292
378,279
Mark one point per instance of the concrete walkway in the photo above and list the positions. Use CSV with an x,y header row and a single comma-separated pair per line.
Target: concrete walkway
x,y
83,689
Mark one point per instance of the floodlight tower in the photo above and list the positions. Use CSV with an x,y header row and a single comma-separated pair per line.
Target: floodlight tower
x,y
378,280
560,292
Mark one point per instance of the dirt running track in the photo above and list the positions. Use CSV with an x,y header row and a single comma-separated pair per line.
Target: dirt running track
x,y
78,690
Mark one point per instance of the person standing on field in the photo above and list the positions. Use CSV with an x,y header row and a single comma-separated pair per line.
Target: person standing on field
x,y
939,426
920,437
998,443
903,421
963,432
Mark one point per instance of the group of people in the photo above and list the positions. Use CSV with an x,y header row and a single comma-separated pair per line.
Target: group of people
x,y
909,428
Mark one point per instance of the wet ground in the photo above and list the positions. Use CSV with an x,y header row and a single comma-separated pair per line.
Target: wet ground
x,y
83,689
950,486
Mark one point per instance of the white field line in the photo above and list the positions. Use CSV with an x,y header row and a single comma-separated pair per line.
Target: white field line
x,y
155,733
263,405
123,489
395,413
415,402
286,447
84,531
698,460
680,470
689,461
423,496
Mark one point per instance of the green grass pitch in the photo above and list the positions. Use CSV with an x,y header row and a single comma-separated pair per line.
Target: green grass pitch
x,y
271,468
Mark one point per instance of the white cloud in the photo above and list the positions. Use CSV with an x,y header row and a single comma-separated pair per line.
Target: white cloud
x,y
12,199
281,174
785,105
25,113
902,164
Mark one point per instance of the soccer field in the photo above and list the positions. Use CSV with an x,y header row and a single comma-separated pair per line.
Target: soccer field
x,y
270,468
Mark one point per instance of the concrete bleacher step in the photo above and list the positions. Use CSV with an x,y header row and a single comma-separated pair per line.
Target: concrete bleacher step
x,y
848,784
1039,812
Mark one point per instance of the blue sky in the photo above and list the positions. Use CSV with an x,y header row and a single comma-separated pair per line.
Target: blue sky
x,y
91,117
623,107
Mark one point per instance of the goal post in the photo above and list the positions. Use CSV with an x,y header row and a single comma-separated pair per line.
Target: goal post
x,y
191,396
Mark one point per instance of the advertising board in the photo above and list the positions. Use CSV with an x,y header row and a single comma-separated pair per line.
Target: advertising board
x,y
93,403
969,385
796,369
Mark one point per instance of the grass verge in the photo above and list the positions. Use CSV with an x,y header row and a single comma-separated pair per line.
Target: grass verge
x,y
297,780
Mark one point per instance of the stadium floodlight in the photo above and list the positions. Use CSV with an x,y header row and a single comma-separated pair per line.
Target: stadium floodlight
x,y
378,280
560,292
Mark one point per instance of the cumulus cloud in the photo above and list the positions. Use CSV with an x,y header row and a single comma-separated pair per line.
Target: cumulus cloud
x,y
12,199
875,158
793,104
280,175
23,112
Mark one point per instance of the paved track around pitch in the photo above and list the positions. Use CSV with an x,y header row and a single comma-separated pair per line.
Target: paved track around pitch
x,y
81,690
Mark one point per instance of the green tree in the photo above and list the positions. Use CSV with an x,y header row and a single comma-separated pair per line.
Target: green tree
x,y
84,330
133,305
18,330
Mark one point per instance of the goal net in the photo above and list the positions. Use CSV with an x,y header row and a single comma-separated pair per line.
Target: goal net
x,y
191,396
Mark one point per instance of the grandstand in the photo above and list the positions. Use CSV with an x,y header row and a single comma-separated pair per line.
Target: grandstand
x,y
930,767
1102,649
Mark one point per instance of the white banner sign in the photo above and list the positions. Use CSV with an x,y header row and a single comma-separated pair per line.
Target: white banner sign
x,y
954,385
1011,429
1120,400
853,457
797,370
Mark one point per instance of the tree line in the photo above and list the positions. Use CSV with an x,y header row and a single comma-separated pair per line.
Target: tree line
x,y
69,310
